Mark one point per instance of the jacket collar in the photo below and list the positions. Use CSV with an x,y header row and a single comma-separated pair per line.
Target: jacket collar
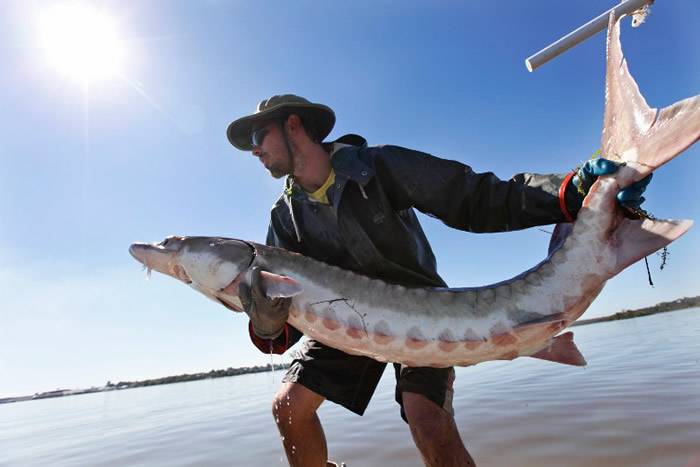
x,y
345,162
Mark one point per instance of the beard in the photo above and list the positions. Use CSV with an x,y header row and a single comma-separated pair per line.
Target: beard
x,y
282,168
277,172
277,168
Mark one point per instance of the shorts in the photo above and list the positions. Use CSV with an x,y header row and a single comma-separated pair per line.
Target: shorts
x,y
350,380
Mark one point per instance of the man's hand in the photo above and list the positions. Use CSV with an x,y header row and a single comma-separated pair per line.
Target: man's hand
x,y
267,315
629,197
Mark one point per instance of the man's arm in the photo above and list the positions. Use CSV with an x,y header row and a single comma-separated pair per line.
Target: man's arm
x,y
476,202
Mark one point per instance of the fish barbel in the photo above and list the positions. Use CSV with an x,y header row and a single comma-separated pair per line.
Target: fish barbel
x,y
464,326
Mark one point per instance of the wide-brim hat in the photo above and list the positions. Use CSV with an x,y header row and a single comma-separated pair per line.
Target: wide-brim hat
x,y
317,117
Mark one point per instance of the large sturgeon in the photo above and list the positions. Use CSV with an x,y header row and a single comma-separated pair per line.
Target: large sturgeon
x,y
465,326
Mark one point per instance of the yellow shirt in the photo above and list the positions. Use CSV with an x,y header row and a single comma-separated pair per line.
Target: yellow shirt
x,y
320,195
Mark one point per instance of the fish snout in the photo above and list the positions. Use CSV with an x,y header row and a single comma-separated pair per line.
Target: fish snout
x,y
137,250
152,256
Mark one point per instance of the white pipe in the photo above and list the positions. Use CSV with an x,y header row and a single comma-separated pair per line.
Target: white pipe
x,y
584,32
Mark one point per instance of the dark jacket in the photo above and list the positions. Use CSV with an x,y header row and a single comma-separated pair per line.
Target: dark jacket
x,y
371,227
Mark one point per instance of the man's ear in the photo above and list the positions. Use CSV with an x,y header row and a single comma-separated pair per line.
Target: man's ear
x,y
293,123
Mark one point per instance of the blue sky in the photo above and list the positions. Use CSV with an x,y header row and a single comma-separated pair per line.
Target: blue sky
x,y
85,170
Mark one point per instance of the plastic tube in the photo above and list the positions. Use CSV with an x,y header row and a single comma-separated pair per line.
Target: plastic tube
x,y
584,32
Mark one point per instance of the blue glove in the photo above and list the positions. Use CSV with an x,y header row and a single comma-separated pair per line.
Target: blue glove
x,y
629,197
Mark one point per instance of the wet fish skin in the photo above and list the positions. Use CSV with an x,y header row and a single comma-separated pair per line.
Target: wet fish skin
x,y
447,327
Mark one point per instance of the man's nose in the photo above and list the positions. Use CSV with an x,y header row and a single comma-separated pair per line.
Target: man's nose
x,y
257,152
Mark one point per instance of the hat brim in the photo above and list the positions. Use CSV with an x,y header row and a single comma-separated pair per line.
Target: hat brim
x,y
321,117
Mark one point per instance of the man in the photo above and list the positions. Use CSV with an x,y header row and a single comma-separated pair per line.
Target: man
x,y
352,206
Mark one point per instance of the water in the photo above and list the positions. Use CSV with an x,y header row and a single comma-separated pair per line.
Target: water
x,y
636,404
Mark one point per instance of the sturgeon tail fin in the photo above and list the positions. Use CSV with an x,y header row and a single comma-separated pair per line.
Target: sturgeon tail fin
x,y
643,137
562,349
635,239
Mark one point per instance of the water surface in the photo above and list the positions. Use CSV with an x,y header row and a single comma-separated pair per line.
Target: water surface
x,y
637,403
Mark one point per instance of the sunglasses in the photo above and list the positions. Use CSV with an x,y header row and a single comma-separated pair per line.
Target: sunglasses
x,y
258,136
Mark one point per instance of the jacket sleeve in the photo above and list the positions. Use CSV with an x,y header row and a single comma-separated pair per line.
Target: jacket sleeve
x,y
278,237
475,202
280,345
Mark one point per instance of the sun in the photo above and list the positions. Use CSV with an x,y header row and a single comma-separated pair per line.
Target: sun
x,y
82,42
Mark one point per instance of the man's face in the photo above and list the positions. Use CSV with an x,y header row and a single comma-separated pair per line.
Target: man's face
x,y
269,147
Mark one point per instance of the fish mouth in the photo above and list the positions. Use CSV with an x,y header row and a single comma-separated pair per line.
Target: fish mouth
x,y
137,250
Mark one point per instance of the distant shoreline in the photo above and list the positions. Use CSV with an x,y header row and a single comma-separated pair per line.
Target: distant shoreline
x,y
663,307
148,382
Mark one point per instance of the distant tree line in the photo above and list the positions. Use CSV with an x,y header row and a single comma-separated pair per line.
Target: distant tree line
x,y
678,304
195,376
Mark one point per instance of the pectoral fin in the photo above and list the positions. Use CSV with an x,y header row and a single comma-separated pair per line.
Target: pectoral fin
x,y
277,286
562,349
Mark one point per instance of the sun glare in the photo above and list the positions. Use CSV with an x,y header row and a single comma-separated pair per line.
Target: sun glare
x,y
82,42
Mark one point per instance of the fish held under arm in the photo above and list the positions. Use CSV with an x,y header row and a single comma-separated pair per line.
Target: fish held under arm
x,y
447,327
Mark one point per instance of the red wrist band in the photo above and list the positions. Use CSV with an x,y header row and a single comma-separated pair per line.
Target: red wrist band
x,y
562,197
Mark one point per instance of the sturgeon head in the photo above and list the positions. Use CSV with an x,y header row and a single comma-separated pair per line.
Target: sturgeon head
x,y
213,266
